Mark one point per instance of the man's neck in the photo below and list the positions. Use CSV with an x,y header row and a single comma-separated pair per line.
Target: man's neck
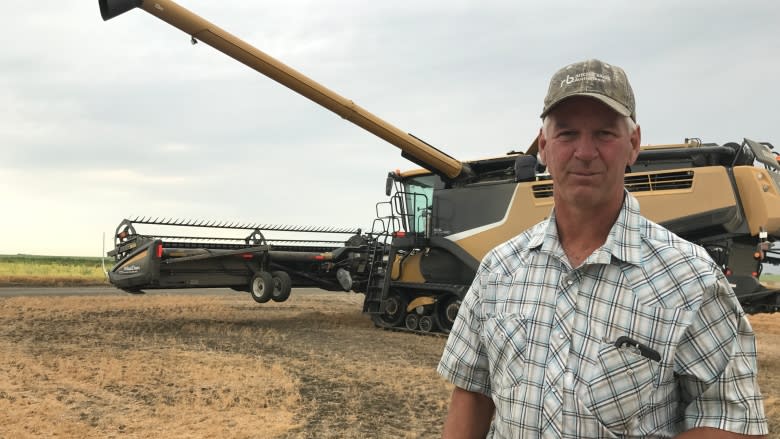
x,y
582,231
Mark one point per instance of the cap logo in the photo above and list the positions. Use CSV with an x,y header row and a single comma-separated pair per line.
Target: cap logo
x,y
585,76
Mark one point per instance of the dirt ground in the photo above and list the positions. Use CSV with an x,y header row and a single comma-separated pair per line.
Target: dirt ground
x,y
212,366
224,366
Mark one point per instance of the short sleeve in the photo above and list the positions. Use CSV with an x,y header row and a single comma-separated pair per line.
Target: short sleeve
x,y
716,363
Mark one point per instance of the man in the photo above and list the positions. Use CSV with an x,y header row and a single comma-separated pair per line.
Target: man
x,y
597,322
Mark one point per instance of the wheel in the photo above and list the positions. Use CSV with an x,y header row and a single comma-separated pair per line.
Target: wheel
x,y
262,287
282,286
426,323
395,311
445,312
411,321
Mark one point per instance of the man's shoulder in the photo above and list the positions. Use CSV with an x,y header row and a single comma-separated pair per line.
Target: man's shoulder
x,y
662,243
669,271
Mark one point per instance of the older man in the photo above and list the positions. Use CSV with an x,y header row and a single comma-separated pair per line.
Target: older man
x,y
597,322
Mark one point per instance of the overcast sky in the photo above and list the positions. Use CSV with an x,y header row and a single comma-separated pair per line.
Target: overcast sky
x,y
104,120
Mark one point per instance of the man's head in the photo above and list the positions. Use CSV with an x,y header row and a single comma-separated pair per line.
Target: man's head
x,y
595,79
589,136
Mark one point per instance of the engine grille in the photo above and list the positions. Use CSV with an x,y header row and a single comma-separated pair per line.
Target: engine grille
x,y
661,181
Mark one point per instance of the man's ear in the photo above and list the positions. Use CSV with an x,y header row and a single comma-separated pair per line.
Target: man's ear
x,y
542,142
636,142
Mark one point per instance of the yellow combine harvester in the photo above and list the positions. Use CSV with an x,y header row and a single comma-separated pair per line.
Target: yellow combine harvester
x,y
418,261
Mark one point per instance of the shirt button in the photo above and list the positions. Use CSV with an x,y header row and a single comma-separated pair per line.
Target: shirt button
x,y
561,335
569,282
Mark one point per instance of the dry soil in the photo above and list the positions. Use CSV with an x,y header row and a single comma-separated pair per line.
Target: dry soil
x,y
224,366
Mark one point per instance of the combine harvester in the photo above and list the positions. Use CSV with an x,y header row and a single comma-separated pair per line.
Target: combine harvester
x,y
416,264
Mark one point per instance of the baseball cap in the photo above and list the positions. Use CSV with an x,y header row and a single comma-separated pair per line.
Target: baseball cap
x,y
593,78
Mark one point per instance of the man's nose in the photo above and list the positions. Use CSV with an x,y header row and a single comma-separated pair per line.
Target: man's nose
x,y
587,149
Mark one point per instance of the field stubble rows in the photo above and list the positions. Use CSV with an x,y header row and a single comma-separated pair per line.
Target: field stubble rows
x,y
207,366
210,366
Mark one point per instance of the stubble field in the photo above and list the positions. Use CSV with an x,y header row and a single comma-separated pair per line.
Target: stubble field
x,y
212,366
223,366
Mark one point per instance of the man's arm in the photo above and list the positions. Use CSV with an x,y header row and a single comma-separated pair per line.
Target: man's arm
x,y
469,415
713,433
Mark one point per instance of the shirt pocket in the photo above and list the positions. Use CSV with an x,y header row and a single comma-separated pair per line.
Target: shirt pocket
x,y
505,338
621,384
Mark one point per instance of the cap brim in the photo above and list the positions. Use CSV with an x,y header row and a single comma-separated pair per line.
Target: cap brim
x,y
611,103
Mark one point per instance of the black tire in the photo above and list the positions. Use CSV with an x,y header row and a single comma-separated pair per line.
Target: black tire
x,y
445,311
395,311
426,324
282,286
412,321
261,287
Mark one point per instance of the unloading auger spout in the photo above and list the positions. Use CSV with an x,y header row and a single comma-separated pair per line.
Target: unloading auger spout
x,y
200,29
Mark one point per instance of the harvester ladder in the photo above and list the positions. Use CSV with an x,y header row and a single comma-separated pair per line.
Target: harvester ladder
x,y
378,257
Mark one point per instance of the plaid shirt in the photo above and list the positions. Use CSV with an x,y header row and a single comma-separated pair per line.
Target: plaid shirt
x,y
539,338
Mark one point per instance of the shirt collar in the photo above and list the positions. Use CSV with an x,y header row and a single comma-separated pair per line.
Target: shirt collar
x,y
623,242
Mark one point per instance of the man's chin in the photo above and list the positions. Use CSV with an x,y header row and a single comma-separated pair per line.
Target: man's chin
x,y
586,197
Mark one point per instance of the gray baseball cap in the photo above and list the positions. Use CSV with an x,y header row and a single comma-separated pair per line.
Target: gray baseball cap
x,y
595,79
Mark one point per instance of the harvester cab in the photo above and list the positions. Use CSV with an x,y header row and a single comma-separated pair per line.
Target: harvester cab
x,y
427,241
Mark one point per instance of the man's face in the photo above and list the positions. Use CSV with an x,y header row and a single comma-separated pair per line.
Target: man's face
x,y
586,146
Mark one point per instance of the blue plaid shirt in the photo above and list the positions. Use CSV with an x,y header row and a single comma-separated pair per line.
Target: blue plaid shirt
x,y
539,338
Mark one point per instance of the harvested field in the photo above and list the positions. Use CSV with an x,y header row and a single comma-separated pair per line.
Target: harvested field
x,y
212,366
223,366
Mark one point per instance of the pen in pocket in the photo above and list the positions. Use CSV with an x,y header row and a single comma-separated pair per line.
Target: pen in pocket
x,y
645,351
